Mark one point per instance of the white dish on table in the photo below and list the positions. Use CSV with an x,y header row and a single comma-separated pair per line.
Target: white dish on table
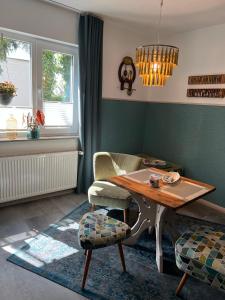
x,y
171,177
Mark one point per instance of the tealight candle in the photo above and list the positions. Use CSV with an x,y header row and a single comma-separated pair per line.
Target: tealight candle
x,y
154,180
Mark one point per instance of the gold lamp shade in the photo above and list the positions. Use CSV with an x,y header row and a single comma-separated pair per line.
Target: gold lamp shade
x,y
155,63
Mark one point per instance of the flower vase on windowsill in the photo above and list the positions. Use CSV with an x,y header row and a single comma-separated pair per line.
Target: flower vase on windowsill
x,y
33,133
33,124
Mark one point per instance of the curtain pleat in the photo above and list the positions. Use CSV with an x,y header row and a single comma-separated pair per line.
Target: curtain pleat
x,y
90,66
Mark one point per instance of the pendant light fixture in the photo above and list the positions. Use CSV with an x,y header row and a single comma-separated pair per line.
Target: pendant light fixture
x,y
155,62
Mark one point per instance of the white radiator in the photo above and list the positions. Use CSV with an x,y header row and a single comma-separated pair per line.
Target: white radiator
x,y
31,175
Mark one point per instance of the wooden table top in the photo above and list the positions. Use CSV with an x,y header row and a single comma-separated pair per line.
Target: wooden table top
x,y
157,194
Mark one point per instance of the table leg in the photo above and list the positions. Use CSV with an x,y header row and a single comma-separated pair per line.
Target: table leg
x,y
150,229
146,218
160,213
171,225
150,215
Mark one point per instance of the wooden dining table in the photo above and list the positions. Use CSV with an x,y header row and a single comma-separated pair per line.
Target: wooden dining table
x,y
158,205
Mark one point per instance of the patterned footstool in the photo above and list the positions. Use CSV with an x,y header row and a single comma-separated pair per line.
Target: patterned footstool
x,y
97,230
201,254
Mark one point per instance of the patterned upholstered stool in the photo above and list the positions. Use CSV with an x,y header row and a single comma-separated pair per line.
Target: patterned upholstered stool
x,y
201,254
97,230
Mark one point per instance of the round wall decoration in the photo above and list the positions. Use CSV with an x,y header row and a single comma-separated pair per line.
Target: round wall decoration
x,y
127,74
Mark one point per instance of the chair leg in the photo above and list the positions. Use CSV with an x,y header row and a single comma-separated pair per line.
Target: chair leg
x,y
87,263
125,215
122,256
182,283
93,207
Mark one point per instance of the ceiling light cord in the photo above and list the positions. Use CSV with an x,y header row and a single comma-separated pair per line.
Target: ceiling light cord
x,y
159,22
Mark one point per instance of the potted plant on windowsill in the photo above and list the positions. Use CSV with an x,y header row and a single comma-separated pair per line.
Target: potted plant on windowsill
x,y
7,88
7,92
34,123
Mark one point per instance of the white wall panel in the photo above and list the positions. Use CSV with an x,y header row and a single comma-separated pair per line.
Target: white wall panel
x,y
40,18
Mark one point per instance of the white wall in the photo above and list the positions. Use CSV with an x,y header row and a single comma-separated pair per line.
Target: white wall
x,y
201,52
39,18
119,41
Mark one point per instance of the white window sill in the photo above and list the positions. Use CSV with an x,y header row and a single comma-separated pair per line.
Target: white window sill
x,y
19,139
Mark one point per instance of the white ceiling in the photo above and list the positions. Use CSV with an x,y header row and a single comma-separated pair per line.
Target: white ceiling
x,y
178,15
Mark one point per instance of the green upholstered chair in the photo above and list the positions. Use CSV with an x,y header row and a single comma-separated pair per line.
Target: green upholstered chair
x,y
201,254
104,193
97,230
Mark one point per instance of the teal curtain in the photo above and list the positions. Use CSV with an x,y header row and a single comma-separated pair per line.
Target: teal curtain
x,y
90,64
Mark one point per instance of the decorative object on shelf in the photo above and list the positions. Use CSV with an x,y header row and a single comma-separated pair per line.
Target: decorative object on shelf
x,y
7,92
154,163
11,126
206,93
147,160
207,79
157,162
33,124
156,62
127,74
33,133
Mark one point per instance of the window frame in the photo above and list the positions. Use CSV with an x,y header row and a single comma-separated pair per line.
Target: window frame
x,y
37,45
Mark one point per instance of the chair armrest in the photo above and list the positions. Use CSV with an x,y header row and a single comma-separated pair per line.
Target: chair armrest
x,y
103,166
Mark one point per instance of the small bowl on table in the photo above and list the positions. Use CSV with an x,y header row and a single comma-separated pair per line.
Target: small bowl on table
x,y
171,178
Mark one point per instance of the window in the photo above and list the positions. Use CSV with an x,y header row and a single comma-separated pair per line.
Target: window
x,y
45,74
17,68
56,81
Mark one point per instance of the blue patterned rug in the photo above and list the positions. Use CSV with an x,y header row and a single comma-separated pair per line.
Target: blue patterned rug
x,y
56,255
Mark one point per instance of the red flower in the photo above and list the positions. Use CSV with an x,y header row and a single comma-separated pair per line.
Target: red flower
x,y
40,118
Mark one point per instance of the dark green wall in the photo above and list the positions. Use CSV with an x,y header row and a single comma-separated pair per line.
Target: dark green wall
x,y
123,125
193,136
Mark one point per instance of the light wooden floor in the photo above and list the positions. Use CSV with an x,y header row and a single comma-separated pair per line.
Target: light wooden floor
x,y
17,223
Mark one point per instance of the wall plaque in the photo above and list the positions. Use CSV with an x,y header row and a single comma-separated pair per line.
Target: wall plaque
x,y
206,93
207,79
